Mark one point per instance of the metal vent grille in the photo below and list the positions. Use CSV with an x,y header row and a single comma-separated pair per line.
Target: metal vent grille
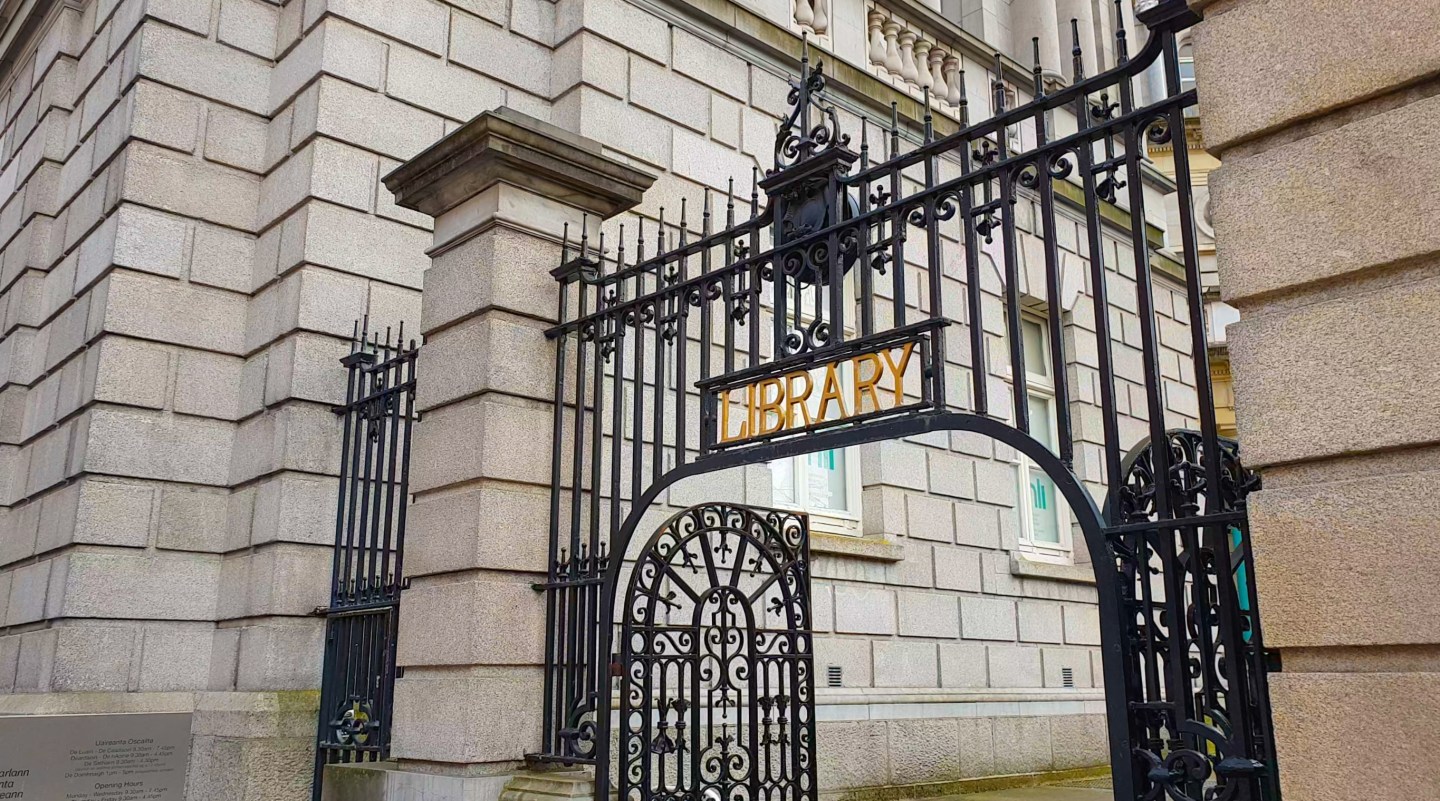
x,y
1067,677
834,676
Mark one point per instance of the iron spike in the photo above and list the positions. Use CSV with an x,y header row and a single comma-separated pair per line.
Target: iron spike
x,y
730,202
998,85
705,215
1039,80
584,235
620,250
964,100
754,192
565,243
1122,48
929,117
1075,52
660,233
864,142
894,128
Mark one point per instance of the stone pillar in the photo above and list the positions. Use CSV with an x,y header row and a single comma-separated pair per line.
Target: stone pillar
x,y
501,189
1327,223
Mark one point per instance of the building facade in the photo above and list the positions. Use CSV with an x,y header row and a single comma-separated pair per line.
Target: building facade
x,y
194,220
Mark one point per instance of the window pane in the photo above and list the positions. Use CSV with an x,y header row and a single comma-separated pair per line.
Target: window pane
x,y
1044,508
1033,340
1040,426
782,482
825,481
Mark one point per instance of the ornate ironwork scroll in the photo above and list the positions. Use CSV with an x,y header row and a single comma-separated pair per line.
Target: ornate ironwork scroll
x,y
1194,656
358,680
717,691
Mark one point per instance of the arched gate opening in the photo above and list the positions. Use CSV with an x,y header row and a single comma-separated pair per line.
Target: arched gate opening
x,y
831,308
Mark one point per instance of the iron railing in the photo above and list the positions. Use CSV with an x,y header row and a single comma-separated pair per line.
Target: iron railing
x,y
681,361
358,681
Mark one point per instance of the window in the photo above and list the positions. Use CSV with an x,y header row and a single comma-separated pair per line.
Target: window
x,y
1044,517
1186,63
825,484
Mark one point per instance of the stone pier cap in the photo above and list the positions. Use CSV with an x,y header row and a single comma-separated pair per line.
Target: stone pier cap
x,y
504,146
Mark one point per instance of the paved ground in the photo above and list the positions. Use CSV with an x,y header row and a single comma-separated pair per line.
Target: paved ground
x,y
1037,794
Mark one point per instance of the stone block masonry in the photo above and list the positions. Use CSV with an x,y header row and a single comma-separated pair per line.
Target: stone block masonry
x,y
1336,413
193,217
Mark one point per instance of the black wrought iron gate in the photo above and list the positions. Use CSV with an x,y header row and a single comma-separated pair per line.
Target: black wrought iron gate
x,y
824,310
717,692
358,680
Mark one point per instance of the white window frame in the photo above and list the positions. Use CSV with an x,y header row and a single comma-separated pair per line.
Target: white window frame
x,y
1041,386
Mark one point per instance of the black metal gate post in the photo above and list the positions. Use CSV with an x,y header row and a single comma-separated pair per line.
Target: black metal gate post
x,y
358,681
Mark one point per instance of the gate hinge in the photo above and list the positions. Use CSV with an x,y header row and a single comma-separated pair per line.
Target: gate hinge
x,y
1271,658
399,671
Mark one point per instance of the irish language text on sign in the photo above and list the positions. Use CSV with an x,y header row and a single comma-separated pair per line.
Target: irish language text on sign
x,y
94,757
813,396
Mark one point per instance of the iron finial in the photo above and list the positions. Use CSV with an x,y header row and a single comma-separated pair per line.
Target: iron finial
x,y
964,103
1075,52
1122,47
864,142
894,128
998,84
929,118
1039,80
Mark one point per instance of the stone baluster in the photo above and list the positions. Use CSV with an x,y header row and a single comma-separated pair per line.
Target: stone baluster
x,y
922,64
907,56
877,39
892,53
822,17
804,14
937,76
953,78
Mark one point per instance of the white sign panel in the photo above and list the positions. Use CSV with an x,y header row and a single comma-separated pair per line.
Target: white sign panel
x,y
94,757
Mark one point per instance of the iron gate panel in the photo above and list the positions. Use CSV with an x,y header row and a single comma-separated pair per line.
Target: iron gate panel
x,y
1195,658
357,686
751,297
717,686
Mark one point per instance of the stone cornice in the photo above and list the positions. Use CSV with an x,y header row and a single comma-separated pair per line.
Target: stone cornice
x,y
506,146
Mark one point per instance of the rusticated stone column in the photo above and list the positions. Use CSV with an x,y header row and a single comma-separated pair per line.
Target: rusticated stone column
x,y
501,188
1327,223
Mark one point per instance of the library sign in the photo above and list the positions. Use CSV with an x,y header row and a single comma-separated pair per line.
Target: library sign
x,y
788,398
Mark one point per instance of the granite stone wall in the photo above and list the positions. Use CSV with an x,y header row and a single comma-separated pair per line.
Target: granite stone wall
x,y
192,221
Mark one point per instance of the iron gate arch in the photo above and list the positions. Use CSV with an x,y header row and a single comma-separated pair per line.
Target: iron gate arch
x,y
748,313
714,702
